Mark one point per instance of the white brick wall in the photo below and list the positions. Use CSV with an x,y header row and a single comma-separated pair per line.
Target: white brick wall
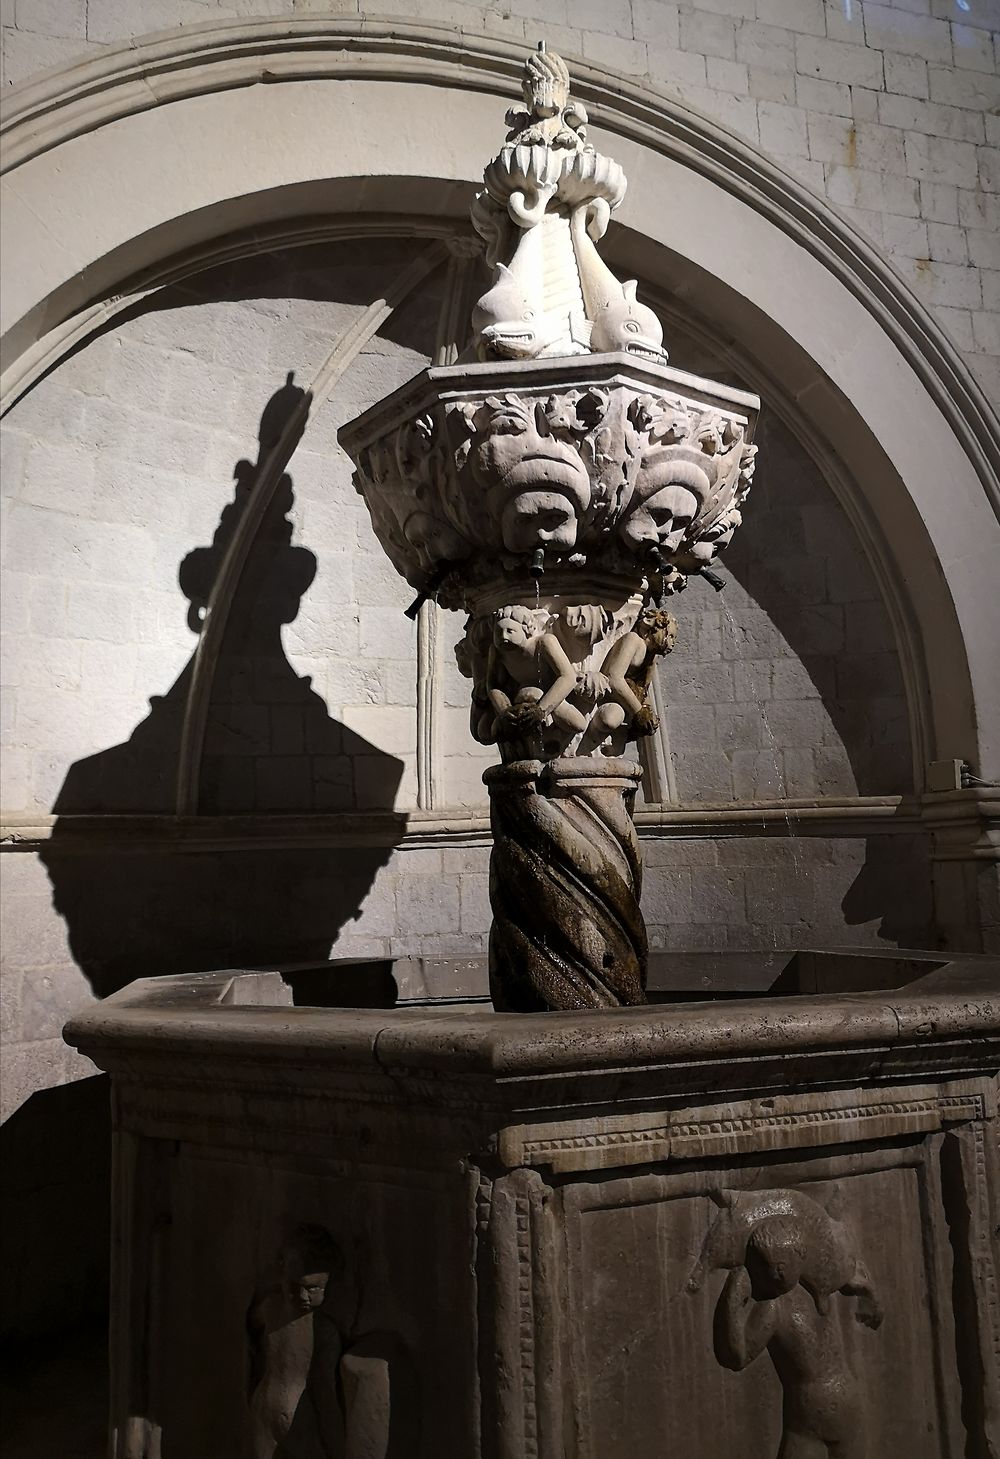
x,y
914,84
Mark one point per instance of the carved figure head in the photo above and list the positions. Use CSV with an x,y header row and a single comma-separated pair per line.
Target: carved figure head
x,y
777,1253
670,488
434,539
514,626
658,629
308,1261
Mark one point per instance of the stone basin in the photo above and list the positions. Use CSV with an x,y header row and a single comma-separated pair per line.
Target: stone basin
x,y
534,1225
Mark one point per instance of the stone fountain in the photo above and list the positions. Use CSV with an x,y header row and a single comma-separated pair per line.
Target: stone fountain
x,y
758,1226
558,487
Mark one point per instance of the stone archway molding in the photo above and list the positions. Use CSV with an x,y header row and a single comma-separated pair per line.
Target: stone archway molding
x,y
239,112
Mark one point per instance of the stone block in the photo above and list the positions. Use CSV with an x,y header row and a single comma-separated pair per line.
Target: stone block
x,y
864,104
872,190
16,776
979,210
939,159
906,75
618,53
729,76
889,29
708,34
332,782
974,89
769,46
427,904
703,778
832,98
800,724
375,781
740,727
928,116
958,323
972,48
986,332
991,289
782,129
834,775
657,22
758,776
25,53
613,17
476,914
905,236
799,767
838,61
768,85
705,684
805,16
947,244
387,634
939,202
833,139
389,728
50,996
66,18
989,168
690,727
944,283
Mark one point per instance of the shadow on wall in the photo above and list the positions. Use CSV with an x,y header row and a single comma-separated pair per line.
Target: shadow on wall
x,y
136,908
144,903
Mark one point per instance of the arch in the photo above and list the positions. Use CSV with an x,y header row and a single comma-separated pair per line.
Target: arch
x,y
878,388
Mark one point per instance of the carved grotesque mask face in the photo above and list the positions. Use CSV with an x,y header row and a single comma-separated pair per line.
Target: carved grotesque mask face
x,y
585,621
662,519
539,519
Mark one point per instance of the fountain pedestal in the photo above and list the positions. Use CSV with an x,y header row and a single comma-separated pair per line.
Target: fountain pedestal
x,y
565,880
453,1232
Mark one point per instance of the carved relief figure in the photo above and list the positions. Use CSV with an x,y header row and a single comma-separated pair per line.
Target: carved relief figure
x,y
295,1349
787,1259
315,1392
529,680
472,657
628,672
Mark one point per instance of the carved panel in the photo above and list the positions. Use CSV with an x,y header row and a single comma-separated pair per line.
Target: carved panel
x,y
656,1347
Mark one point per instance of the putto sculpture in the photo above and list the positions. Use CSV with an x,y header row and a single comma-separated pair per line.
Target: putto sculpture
x,y
558,484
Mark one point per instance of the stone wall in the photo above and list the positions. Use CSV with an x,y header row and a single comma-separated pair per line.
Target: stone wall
x,y
887,110
126,474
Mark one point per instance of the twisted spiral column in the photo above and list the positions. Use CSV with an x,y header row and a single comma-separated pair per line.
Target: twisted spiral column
x,y
565,878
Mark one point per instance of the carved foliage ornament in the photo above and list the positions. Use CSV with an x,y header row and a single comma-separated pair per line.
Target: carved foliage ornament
x,y
613,476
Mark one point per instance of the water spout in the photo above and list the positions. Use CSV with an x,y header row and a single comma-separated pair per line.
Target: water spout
x,y
716,581
537,566
437,577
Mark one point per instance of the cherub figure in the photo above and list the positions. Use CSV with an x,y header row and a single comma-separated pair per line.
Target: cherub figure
x,y
628,670
765,1304
528,682
472,658
295,1339
316,1391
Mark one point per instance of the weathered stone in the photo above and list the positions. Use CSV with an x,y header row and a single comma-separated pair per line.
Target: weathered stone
x,y
557,490
530,1218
